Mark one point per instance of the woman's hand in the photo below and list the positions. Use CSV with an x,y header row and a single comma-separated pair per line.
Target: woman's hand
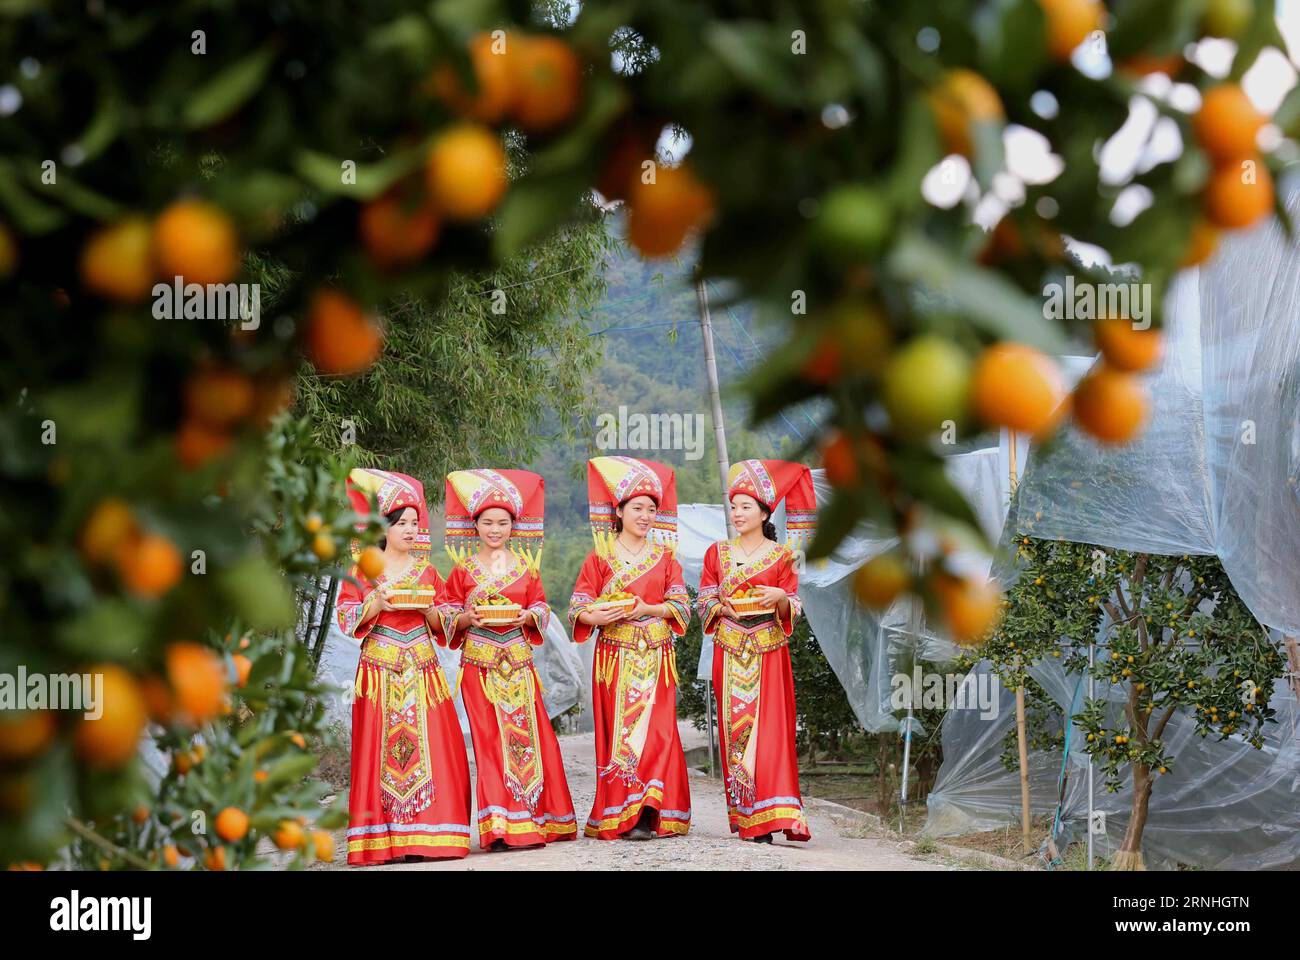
x,y
469,618
772,596
382,600
600,617
728,610
639,609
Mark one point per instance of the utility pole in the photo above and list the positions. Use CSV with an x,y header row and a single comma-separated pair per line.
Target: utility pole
x,y
724,464
715,398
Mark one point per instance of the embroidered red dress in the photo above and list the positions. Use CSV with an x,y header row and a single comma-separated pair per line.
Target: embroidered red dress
x,y
410,773
754,686
639,758
523,797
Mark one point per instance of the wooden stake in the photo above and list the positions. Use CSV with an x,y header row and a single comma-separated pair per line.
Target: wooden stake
x,y
1022,742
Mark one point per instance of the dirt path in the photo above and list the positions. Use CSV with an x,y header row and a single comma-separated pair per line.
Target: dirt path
x,y
841,839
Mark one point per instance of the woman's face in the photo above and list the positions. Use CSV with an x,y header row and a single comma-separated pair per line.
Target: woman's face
x,y
638,516
746,514
494,525
402,531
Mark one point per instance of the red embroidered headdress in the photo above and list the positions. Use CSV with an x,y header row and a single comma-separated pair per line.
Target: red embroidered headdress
x,y
615,480
521,493
390,491
771,481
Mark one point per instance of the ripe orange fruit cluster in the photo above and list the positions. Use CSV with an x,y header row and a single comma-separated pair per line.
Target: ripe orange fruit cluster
x,y
881,580
232,824
197,678
25,733
664,206
148,564
971,607
191,239
1017,387
109,741
961,99
1069,23
536,81
216,400
1240,189
340,337
371,563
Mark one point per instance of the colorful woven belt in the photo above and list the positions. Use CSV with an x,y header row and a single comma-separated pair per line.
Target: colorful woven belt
x,y
645,634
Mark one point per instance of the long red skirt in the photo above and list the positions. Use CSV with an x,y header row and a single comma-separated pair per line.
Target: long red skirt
x,y
523,797
410,778
639,759
763,791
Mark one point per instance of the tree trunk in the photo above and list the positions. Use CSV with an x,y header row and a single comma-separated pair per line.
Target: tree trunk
x,y
1130,851
882,772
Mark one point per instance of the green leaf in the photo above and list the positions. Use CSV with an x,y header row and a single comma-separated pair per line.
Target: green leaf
x,y
259,593
30,215
533,206
835,522
987,298
111,629
227,91
1012,43
325,173
747,49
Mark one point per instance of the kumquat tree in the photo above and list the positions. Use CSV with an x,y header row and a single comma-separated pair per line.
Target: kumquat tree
x,y
840,165
1170,635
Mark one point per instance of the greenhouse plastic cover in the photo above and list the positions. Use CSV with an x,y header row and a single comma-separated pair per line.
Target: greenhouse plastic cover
x,y
1214,473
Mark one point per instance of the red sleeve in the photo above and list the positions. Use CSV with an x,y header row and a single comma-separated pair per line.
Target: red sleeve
x,y
591,578
535,602
788,580
707,599
353,605
450,604
675,595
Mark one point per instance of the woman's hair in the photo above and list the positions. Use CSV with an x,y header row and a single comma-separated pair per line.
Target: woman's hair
x,y
618,521
392,516
769,528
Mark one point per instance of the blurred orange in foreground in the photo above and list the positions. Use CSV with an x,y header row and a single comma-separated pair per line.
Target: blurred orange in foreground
x,y
1202,244
110,740
1016,387
661,213
1110,404
547,81
466,172
340,337
494,79
397,232
243,667
149,565
25,733
971,607
880,581
195,240
198,442
117,261
109,525
1127,348
1227,123
323,844
288,836
198,680
962,99
839,461
220,397
1069,23
371,563
1239,193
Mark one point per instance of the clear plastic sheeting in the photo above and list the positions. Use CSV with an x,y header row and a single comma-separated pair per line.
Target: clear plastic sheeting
x,y
1250,341
1214,473
1152,495
1223,805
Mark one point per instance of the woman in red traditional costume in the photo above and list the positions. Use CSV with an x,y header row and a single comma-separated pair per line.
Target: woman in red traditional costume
x,y
752,678
410,774
641,782
494,535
